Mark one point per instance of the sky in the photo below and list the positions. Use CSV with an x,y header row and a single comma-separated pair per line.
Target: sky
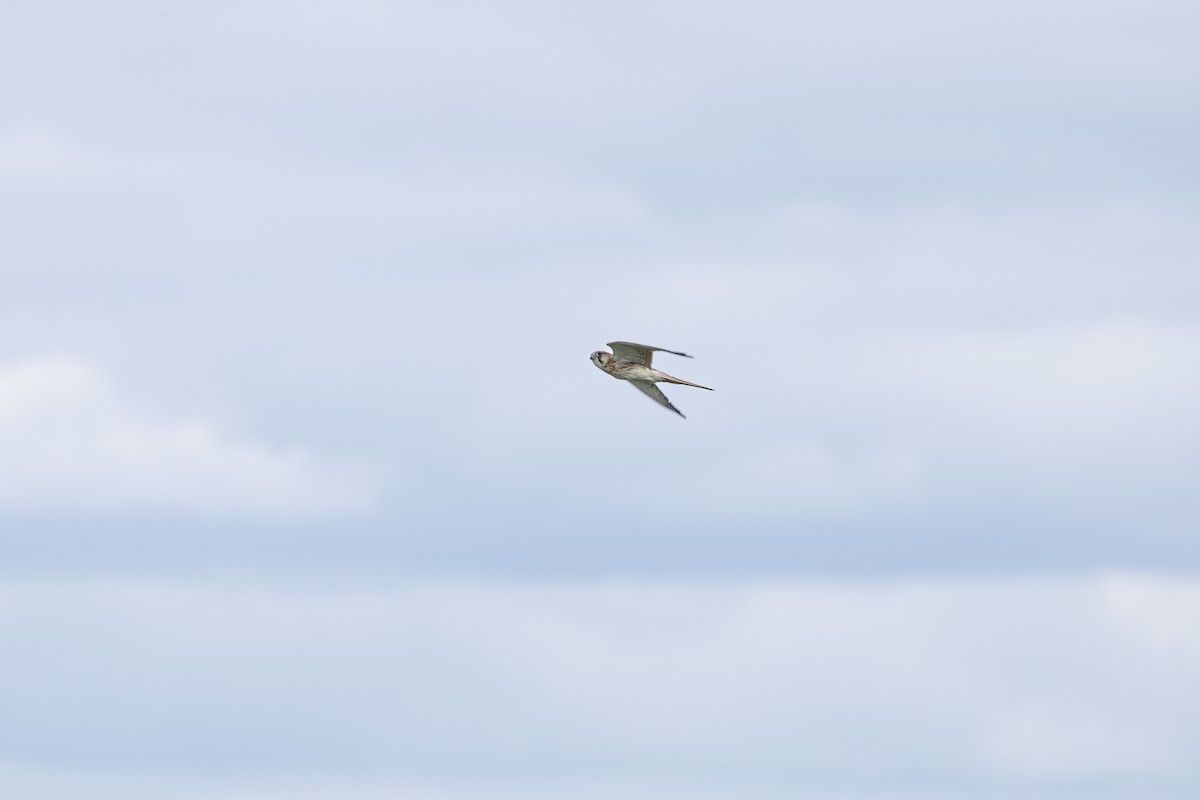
x,y
308,488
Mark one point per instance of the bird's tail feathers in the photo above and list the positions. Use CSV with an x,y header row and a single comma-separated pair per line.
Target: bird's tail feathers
x,y
672,379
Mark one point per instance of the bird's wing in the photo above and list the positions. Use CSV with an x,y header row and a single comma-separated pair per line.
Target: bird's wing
x,y
639,353
651,390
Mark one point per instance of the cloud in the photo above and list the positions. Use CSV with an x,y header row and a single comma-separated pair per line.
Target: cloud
x,y
981,685
926,281
790,478
101,784
69,442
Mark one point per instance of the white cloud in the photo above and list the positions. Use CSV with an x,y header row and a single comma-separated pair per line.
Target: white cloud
x,y
96,784
948,356
990,686
914,269
790,478
69,441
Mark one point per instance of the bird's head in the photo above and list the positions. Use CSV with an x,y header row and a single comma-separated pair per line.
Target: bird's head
x,y
600,358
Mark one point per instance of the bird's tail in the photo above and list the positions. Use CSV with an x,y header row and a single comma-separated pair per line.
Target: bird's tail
x,y
672,379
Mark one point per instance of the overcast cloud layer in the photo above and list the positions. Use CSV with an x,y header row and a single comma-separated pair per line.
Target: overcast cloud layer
x,y
298,434
1081,688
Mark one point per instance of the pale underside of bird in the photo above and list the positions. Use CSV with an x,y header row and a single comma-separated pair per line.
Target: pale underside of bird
x,y
632,362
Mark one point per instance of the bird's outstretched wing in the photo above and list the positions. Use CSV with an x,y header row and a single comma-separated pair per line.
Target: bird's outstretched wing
x,y
652,391
639,353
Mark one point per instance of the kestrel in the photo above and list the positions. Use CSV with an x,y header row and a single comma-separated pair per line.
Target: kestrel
x,y
631,362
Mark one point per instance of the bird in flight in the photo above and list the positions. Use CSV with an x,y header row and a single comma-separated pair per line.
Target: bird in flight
x,y
631,362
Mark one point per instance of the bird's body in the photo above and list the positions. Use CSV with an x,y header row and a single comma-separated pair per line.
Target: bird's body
x,y
632,362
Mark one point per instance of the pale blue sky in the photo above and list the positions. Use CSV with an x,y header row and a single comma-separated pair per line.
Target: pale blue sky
x,y
308,488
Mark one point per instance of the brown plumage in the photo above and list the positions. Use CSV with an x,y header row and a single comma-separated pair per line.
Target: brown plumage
x,y
633,363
